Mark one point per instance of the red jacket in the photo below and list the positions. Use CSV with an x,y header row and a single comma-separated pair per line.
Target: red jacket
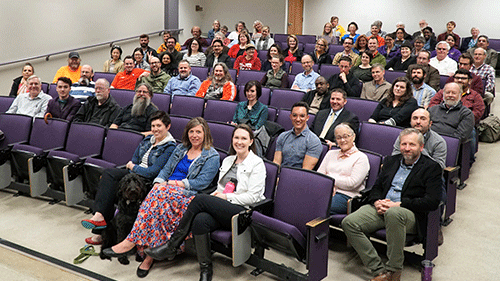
x,y
242,63
228,90
472,100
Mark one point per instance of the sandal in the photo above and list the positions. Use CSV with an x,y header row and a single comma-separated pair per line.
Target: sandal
x,y
85,252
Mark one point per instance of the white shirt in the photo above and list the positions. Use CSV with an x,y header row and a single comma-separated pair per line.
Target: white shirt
x,y
445,67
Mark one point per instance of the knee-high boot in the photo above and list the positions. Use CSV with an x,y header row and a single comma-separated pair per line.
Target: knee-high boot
x,y
204,254
169,249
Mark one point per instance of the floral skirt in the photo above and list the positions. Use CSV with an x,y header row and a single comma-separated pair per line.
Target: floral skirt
x,y
159,216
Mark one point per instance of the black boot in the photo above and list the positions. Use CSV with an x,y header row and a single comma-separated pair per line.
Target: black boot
x,y
204,254
169,249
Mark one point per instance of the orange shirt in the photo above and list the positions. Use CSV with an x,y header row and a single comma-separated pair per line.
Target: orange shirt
x,y
127,81
381,41
65,71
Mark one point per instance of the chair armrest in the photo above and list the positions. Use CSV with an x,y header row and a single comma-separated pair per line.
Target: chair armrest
x,y
317,221
54,149
121,166
317,247
263,206
451,169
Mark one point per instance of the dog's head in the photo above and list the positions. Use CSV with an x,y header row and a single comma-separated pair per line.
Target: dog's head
x,y
132,188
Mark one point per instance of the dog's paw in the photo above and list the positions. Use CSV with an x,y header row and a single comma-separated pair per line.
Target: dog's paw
x,y
123,260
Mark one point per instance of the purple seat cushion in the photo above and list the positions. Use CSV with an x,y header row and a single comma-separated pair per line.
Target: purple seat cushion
x,y
64,154
100,163
28,148
279,226
222,236
336,220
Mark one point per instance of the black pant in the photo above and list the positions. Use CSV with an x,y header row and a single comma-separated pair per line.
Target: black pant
x,y
212,213
107,189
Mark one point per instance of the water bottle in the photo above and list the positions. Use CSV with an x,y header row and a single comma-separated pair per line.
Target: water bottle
x,y
427,266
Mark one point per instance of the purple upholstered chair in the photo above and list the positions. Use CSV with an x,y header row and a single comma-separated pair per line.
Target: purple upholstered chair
x,y
247,75
310,39
122,97
442,81
451,175
390,76
52,91
361,107
271,149
219,110
280,37
298,231
285,98
233,73
378,138
264,98
309,48
221,133
297,68
45,87
283,119
200,72
262,55
5,103
16,128
291,79
190,106
106,75
177,125
334,49
162,101
271,113
327,70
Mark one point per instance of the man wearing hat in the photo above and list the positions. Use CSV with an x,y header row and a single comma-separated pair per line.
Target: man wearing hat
x,y
72,70
247,61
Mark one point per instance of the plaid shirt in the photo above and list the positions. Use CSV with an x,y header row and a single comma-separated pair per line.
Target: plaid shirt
x,y
486,72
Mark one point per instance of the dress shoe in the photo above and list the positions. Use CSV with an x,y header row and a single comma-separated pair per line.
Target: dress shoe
x,y
92,224
89,240
141,273
388,276
110,253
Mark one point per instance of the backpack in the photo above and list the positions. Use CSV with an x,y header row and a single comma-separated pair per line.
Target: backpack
x,y
489,129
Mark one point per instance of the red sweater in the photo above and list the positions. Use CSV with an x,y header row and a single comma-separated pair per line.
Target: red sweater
x,y
472,100
242,63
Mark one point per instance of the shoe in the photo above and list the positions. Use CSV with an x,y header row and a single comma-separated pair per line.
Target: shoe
x,y
110,253
204,255
169,249
141,273
388,276
92,224
440,237
89,240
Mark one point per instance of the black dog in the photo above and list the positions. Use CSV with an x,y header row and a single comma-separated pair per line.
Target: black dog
x,y
132,190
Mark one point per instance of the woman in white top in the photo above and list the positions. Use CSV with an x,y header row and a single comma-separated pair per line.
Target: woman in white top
x,y
195,56
348,166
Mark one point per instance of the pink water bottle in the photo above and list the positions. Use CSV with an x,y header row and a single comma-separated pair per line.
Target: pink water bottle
x,y
230,186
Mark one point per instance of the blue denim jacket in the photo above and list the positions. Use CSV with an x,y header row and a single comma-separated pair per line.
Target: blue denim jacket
x,y
156,159
201,172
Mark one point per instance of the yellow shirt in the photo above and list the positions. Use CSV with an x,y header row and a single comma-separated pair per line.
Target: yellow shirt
x,y
65,71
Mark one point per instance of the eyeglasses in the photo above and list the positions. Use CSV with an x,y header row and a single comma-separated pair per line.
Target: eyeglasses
x,y
345,137
323,45
461,78
441,49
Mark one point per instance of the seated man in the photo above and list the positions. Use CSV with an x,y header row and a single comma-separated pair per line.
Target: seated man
x,y
64,106
377,56
127,78
185,83
465,61
72,70
318,98
84,88
406,190
219,86
163,47
304,81
247,61
196,32
375,30
157,79
347,52
298,147
432,77
378,88
345,80
217,55
327,119
147,51
34,103
451,117
421,91
172,49
469,98
100,109
491,55
136,116
430,39
486,72
470,42
442,62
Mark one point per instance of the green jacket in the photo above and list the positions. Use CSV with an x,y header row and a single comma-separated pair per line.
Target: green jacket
x,y
157,82
379,58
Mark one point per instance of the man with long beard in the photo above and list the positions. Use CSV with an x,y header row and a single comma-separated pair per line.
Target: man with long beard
x,y
136,116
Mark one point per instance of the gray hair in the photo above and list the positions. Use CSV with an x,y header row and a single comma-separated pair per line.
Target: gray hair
x,y
219,33
409,131
105,81
444,43
33,77
344,125
378,65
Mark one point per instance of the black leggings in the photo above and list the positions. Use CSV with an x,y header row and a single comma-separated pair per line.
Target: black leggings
x,y
212,213
107,190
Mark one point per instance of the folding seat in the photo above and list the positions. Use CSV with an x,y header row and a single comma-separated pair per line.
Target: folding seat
x,y
264,98
271,113
219,110
378,138
321,156
106,75
309,48
285,98
52,91
451,175
232,72
187,106
300,46
297,68
307,39
390,76
297,225
280,37
177,125
162,101
291,79
495,44
262,56
45,87
334,49
119,147
221,133
122,97
283,119
363,108
5,103
248,75
200,72
327,70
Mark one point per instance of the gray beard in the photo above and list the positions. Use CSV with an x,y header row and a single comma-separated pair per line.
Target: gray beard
x,y
139,106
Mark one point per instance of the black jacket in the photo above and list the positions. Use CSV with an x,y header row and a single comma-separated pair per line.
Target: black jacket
x,y
15,86
222,58
325,102
91,112
344,116
352,87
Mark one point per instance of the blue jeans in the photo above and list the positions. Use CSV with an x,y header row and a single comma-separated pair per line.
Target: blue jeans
x,y
339,204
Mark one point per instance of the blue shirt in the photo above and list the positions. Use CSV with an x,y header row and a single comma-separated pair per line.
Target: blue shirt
x,y
183,86
295,147
423,94
394,193
306,82
182,169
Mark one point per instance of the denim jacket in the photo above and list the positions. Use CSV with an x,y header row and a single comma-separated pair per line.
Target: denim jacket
x,y
157,157
201,172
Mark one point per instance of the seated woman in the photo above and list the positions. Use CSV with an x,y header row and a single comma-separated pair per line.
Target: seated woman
x,y
418,45
64,106
139,60
217,54
453,53
348,166
257,29
238,49
352,28
328,34
219,86
364,71
276,77
274,50
20,84
215,29
248,61
401,36
251,112
389,50
320,54
195,56
191,168
147,161
241,184
115,64
397,107
225,41
361,44
401,63
292,52
168,65
265,41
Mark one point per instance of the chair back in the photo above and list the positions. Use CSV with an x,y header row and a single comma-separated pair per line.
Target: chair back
x,y
263,55
177,125
309,48
221,133
285,98
271,113
452,150
291,79
5,103
85,139
328,70
390,76
200,72
106,75
52,91
187,106
442,81
232,72
361,107
219,110
247,75
334,49
122,97
307,39
378,138
51,135
16,128
120,145
272,172
45,87
375,161
162,101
